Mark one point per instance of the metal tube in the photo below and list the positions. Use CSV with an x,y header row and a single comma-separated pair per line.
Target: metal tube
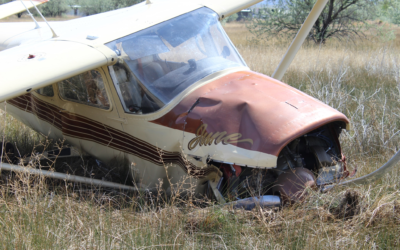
x,y
250,203
29,13
377,174
54,33
66,177
299,39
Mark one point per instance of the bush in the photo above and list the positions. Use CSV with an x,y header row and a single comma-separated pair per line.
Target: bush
x,y
91,7
390,11
232,18
229,19
339,19
53,8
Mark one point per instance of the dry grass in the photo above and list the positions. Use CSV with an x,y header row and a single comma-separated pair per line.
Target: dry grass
x,y
361,79
264,56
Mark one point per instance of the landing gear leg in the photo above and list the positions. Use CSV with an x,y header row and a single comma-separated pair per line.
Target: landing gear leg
x,y
214,187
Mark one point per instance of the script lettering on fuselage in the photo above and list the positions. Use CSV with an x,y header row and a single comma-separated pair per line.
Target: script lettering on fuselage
x,y
203,138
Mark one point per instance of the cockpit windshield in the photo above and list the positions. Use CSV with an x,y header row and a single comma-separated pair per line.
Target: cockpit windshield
x,y
160,62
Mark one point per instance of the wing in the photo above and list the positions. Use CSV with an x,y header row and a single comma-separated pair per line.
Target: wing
x,y
228,7
51,61
55,60
16,7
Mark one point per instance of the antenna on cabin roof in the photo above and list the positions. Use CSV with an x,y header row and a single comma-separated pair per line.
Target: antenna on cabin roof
x,y
29,13
54,33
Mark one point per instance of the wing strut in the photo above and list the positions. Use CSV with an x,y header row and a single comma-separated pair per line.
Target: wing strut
x,y
299,39
67,177
29,13
54,33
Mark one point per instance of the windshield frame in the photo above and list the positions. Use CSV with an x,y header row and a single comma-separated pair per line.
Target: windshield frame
x,y
164,88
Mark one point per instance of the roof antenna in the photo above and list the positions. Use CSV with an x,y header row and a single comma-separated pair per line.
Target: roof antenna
x,y
54,33
29,13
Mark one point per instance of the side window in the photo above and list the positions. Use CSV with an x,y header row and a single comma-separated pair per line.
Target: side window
x,y
87,88
135,99
46,91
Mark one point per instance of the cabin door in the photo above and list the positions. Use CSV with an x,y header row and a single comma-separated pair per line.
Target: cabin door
x,y
90,119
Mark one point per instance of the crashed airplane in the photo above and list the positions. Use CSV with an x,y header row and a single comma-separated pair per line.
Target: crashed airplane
x,y
160,84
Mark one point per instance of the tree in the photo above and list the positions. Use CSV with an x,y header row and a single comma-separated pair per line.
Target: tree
x,y
390,11
127,3
230,19
54,8
91,7
340,18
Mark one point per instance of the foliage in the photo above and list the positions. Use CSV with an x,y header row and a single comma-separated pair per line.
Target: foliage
x,y
91,7
230,19
53,8
339,19
127,3
390,11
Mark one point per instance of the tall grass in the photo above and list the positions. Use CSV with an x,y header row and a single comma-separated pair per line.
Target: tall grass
x,y
360,79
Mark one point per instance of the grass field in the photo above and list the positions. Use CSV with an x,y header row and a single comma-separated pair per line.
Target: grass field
x,y
359,78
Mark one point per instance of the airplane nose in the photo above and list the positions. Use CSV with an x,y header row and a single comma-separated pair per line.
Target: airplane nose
x,y
246,113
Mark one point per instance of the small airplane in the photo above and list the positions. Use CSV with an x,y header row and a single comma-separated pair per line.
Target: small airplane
x,y
160,86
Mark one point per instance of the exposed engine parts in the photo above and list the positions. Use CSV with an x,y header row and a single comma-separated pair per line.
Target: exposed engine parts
x,y
318,151
292,184
310,161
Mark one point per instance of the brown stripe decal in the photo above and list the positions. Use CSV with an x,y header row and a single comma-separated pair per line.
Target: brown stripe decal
x,y
81,127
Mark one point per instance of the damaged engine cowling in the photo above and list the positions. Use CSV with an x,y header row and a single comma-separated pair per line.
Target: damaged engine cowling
x,y
259,132
311,160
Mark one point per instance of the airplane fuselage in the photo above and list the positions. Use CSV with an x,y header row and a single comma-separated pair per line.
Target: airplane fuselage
x,y
172,100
